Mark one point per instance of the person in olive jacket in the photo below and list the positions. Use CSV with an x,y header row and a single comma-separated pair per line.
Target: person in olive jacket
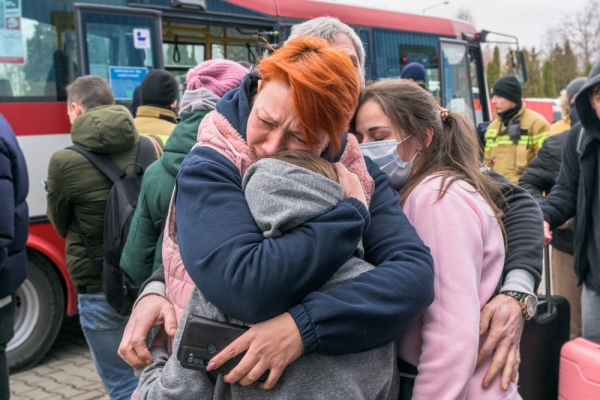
x,y
14,228
77,193
206,83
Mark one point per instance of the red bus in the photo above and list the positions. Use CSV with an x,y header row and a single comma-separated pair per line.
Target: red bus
x,y
51,42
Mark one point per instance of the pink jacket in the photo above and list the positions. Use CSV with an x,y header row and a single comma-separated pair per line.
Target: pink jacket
x,y
217,133
468,254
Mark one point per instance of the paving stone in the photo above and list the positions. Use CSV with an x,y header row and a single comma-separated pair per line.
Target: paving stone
x,y
38,394
69,391
66,372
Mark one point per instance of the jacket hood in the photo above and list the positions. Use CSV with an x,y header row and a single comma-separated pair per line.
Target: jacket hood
x,y
587,115
198,99
181,141
105,130
236,105
282,196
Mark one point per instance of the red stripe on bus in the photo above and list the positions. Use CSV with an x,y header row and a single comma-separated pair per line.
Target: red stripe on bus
x,y
37,118
303,9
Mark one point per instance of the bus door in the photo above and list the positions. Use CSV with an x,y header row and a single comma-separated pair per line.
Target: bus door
x,y
455,73
118,44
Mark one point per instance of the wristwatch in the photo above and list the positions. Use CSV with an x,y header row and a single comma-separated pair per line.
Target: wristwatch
x,y
528,302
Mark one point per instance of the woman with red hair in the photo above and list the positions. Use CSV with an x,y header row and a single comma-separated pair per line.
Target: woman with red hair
x,y
302,98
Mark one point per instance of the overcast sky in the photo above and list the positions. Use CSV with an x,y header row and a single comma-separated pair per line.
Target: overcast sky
x,y
526,19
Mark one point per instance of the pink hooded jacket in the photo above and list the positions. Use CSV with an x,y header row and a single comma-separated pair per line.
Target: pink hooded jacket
x,y
468,254
217,133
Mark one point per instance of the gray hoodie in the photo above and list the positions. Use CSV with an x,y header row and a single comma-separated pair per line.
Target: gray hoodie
x,y
281,196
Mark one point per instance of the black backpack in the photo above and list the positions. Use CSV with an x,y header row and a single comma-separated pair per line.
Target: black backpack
x,y
120,290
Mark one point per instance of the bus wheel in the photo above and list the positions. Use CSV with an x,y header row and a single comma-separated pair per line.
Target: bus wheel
x,y
40,307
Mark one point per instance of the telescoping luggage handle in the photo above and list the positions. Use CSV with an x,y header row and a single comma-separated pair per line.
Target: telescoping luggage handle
x,y
550,313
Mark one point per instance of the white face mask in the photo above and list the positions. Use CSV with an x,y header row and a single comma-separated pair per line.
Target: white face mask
x,y
385,155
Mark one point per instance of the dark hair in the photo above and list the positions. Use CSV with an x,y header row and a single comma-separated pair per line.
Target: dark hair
x,y
595,90
454,151
89,92
308,161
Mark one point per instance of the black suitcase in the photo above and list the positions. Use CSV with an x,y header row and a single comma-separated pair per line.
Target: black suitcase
x,y
543,337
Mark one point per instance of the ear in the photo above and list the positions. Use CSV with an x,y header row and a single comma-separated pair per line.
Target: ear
x,y
173,104
76,109
260,82
428,139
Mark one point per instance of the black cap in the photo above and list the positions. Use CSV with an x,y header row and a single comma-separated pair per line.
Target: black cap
x,y
508,87
159,89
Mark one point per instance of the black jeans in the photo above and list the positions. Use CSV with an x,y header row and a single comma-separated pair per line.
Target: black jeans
x,y
7,314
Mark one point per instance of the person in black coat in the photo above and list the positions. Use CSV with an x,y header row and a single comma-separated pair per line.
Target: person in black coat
x,y
577,194
538,179
14,228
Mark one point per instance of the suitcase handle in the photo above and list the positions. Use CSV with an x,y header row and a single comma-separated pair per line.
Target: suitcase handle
x,y
548,315
550,312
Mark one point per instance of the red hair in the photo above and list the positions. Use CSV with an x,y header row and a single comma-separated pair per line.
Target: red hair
x,y
323,84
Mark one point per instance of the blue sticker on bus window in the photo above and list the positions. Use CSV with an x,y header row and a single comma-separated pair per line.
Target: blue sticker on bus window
x,y
124,80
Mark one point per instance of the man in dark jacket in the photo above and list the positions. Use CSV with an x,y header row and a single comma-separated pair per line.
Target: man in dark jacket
x,y
538,179
577,194
14,228
77,195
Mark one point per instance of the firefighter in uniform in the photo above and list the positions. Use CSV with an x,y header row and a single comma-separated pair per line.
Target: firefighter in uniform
x,y
516,134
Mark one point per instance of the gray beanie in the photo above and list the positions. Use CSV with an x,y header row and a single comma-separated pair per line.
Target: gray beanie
x,y
574,86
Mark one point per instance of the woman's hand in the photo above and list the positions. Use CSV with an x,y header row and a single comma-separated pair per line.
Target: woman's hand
x,y
269,345
150,311
350,184
160,339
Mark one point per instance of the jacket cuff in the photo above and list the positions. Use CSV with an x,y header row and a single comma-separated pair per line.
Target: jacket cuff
x,y
362,210
519,280
306,329
156,287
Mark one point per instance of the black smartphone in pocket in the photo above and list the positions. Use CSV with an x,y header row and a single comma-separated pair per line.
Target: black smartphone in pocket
x,y
204,338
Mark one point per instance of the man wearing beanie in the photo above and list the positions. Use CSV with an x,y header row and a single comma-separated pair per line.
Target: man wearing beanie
x,y
158,94
206,84
516,134
416,72
577,194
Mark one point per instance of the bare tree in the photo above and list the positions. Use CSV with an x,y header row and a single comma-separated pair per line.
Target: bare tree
x,y
581,29
465,14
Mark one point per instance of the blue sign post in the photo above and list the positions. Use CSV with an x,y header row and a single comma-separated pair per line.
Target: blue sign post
x,y
124,80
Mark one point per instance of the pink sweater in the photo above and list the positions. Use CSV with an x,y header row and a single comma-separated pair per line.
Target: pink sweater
x,y
468,253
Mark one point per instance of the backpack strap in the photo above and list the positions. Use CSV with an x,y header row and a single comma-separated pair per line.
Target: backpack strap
x,y
146,153
103,163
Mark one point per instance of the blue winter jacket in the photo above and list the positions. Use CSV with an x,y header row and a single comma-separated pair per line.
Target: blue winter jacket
x,y
14,214
230,261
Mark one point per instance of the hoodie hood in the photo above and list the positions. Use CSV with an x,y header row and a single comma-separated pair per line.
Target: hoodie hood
x,y
181,141
105,130
198,99
587,115
282,196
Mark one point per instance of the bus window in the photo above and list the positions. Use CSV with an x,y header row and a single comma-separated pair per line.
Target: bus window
x,y
115,37
427,56
457,95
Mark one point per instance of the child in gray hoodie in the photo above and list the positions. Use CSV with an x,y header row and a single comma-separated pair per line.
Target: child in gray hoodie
x,y
282,193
